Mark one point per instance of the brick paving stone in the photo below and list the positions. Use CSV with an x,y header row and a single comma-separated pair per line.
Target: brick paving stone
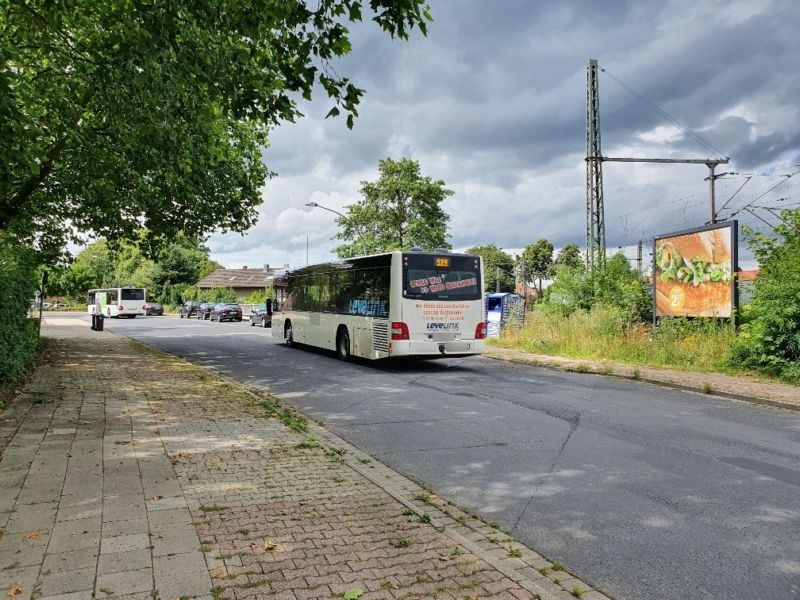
x,y
155,478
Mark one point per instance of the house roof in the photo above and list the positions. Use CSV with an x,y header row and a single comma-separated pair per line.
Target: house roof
x,y
236,278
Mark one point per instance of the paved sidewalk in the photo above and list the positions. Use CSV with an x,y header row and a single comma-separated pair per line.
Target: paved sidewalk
x,y
762,391
127,473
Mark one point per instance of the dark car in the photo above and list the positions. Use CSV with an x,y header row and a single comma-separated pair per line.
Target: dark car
x,y
226,312
204,310
260,316
189,309
153,308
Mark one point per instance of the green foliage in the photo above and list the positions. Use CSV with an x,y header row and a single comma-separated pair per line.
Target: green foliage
x,y
495,258
770,339
176,266
536,262
618,285
117,114
400,210
569,256
605,333
218,294
17,286
257,297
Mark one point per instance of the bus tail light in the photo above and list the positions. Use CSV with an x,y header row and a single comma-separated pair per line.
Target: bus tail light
x,y
120,307
480,331
400,331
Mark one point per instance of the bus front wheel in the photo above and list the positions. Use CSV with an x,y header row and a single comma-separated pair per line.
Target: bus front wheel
x,y
288,334
343,344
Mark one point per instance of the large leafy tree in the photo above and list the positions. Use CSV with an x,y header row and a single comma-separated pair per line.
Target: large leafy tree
x,y
120,114
536,262
498,267
181,262
770,340
569,256
401,209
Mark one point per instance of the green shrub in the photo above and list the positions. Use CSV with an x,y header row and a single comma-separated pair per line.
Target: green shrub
x,y
770,338
257,297
618,286
607,333
218,294
17,286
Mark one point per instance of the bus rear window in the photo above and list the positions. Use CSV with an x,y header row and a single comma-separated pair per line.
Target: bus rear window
x,y
132,294
426,278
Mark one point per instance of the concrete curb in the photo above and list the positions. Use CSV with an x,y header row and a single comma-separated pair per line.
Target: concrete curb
x,y
485,541
650,380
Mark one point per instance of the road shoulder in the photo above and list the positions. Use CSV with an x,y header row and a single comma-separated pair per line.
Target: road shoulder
x,y
748,389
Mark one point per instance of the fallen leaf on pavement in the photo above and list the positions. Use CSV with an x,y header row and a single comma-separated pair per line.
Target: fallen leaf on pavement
x,y
158,498
270,545
432,497
14,591
33,535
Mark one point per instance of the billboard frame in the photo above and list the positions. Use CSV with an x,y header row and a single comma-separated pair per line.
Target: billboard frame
x,y
734,227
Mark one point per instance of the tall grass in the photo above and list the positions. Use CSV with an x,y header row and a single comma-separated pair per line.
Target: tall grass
x,y
603,333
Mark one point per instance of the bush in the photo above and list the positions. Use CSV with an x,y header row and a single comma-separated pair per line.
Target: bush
x,y
218,294
606,333
17,332
257,297
618,286
770,339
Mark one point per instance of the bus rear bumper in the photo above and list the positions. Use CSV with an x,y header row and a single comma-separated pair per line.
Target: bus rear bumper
x,y
429,348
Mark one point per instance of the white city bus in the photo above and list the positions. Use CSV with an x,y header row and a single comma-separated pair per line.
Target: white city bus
x,y
396,304
127,302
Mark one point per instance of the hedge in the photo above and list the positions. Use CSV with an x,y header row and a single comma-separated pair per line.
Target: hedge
x,y
17,287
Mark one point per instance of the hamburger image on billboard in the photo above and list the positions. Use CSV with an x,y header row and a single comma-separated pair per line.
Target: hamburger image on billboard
x,y
694,273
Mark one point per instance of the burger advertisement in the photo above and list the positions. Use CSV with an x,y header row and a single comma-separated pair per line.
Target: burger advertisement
x,y
694,272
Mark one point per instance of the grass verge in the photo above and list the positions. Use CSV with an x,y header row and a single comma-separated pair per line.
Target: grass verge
x,y
603,334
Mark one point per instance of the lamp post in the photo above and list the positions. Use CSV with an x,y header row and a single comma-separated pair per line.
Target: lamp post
x,y
345,217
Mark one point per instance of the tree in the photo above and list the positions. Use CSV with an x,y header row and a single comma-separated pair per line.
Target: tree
x,y
117,114
536,262
569,256
618,286
400,210
770,340
178,264
495,261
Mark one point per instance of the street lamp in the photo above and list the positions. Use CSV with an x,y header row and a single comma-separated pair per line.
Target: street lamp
x,y
345,217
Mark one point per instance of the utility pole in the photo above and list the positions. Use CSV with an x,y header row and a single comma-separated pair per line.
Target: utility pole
x,y
595,220
595,217
639,257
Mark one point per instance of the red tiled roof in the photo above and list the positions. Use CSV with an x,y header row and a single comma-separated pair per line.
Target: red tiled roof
x,y
236,278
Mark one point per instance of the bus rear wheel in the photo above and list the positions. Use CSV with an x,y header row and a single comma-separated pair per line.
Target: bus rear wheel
x,y
343,344
288,334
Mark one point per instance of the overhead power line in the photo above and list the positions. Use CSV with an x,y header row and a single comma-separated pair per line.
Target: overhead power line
x,y
652,106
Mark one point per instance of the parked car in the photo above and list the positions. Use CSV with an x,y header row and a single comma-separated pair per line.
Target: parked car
x,y
189,309
204,310
153,309
226,312
260,316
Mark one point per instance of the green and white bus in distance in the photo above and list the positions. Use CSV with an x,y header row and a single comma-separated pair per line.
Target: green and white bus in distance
x,y
410,303
126,302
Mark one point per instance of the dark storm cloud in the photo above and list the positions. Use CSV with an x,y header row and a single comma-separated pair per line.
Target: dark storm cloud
x,y
493,102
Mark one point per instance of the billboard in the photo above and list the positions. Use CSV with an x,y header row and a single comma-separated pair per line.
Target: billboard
x,y
694,272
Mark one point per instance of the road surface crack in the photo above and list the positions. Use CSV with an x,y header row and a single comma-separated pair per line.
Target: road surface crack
x,y
574,422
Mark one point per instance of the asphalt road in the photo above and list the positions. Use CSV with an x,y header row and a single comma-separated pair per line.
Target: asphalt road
x,y
642,491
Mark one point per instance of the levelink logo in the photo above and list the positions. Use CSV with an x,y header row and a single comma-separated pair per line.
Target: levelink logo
x,y
442,326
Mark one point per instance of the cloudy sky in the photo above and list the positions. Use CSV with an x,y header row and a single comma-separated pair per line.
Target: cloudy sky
x,y
493,102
